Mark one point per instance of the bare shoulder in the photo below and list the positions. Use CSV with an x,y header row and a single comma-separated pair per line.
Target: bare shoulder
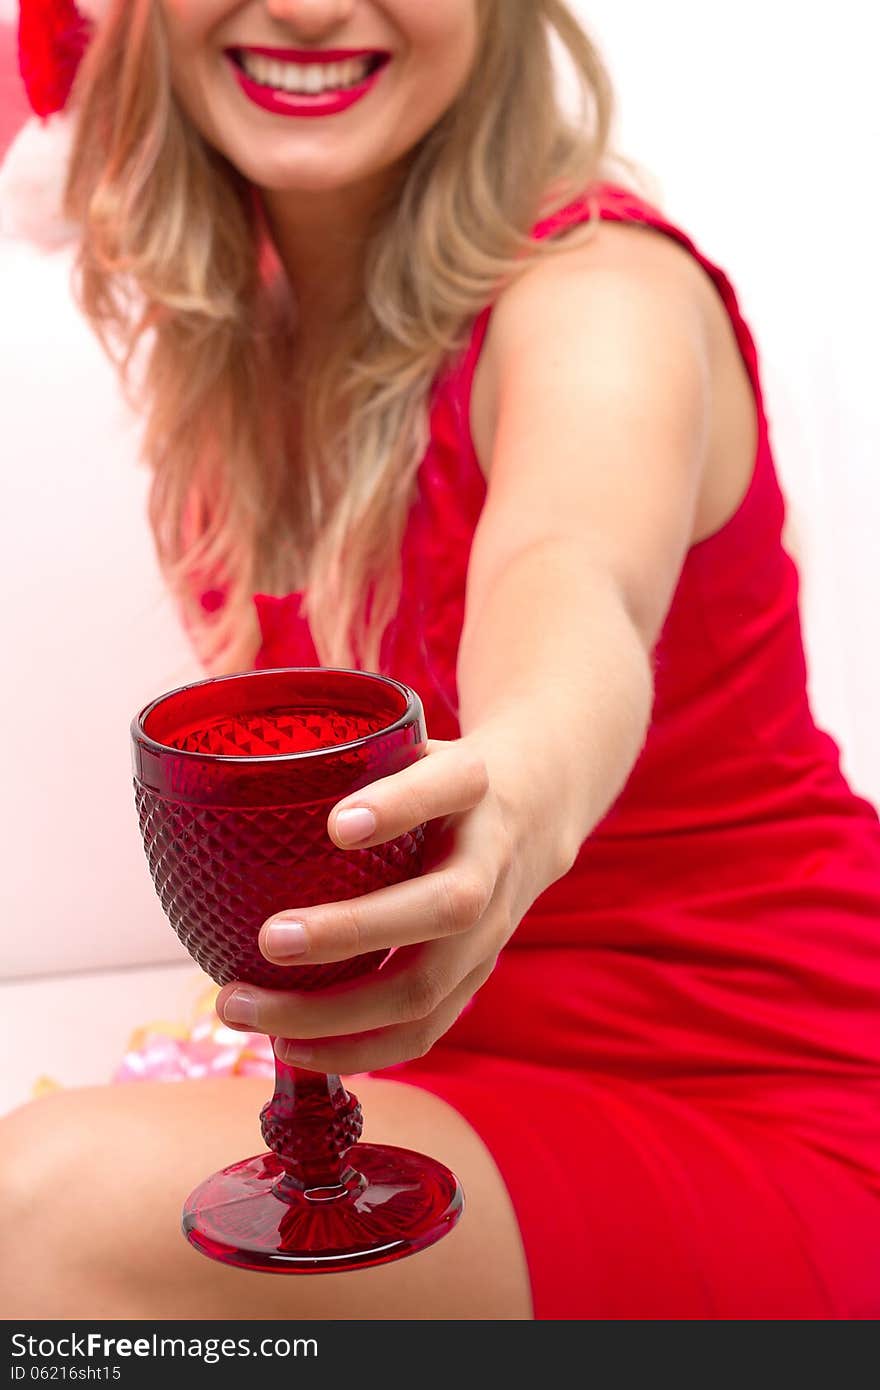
x,y
629,259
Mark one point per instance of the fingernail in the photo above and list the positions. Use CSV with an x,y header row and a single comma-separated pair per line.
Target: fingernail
x,y
240,1007
287,938
292,1050
355,824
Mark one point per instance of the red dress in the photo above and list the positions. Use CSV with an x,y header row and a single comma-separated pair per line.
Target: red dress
x,y
676,1062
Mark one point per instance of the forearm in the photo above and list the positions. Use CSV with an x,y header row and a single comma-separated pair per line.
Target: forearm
x,y
555,690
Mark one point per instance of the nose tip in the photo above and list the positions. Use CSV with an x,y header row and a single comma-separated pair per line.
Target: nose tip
x,y
310,17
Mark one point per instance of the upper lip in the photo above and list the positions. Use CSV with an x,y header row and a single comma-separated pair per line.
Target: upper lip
x,y
311,55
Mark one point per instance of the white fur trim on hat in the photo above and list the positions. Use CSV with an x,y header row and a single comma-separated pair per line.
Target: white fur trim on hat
x,y
34,168
32,177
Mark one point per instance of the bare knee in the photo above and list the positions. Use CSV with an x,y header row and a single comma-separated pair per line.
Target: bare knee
x,y
96,1179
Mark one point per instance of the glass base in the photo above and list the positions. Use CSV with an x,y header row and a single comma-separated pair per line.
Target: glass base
x,y
392,1202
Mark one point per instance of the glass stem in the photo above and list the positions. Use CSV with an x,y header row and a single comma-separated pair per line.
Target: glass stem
x,y
310,1123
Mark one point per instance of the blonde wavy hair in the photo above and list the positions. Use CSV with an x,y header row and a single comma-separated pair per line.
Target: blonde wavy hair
x,y
175,256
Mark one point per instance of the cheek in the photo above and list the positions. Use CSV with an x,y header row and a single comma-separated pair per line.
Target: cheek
x,y
191,21
441,41
444,29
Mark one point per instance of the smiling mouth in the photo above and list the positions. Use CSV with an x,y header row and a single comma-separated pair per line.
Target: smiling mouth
x,y
305,76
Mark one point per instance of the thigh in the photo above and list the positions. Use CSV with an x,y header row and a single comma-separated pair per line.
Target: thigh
x,y
95,1180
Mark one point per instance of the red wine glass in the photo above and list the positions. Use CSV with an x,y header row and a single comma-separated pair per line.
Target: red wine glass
x,y
234,779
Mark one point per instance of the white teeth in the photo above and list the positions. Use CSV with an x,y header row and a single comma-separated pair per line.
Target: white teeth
x,y
309,78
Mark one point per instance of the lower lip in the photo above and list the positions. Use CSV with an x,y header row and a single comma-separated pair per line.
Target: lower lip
x,y
283,103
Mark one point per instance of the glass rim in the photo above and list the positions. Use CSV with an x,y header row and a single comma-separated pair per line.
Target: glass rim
x,y
146,742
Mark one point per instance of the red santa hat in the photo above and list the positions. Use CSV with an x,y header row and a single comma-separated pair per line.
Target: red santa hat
x,y
52,37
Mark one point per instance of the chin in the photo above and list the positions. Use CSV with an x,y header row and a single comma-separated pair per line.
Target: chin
x,y
300,177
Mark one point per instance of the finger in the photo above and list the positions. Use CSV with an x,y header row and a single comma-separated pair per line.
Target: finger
x,y
450,778
408,989
444,902
386,1046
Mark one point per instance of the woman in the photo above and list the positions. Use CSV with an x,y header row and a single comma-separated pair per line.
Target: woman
x,y
413,351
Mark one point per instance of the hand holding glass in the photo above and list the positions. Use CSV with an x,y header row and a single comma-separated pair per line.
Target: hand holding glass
x,y
234,780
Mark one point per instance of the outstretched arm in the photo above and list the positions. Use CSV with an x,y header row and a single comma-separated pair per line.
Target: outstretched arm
x,y
598,377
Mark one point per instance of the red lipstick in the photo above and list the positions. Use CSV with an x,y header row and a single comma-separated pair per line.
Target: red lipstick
x,y
283,103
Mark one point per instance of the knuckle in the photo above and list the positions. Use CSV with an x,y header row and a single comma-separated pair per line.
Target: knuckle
x,y
417,810
348,936
476,775
421,992
422,1041
444,906
464,898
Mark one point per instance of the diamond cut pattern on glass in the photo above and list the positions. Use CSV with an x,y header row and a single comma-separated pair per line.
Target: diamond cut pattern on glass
x,y
220,872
